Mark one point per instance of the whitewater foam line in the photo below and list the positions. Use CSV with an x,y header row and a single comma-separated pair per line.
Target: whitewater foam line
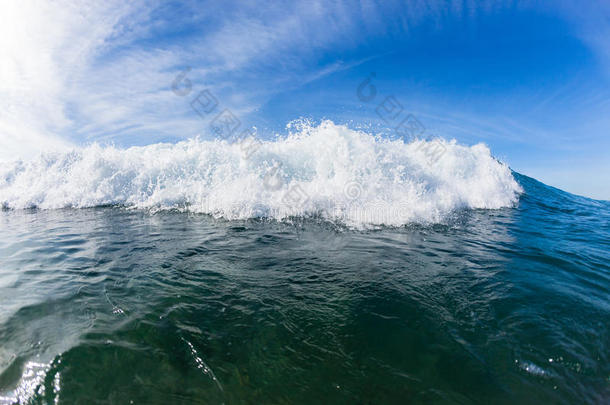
x,y
327,171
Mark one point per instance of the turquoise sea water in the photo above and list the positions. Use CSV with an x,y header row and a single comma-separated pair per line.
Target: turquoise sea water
x,y
109,305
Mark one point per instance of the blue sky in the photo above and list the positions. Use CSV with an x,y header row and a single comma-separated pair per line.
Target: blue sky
x,y
530,79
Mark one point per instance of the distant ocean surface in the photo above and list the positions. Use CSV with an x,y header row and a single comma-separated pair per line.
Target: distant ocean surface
x,y
330,266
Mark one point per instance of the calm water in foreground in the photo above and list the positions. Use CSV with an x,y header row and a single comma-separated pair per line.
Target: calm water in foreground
x,y
108,305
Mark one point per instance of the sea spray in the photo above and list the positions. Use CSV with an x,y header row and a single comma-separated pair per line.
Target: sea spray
x,y
327,171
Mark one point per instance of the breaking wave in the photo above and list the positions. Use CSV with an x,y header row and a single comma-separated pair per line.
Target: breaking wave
x,y
326,171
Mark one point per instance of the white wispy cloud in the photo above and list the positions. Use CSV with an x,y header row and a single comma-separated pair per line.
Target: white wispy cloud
x,y
46,47
73,72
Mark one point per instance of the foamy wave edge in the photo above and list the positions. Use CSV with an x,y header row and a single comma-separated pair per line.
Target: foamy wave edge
x,y
326,171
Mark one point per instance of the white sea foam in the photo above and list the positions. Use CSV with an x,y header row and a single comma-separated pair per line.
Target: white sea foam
x,y
327,171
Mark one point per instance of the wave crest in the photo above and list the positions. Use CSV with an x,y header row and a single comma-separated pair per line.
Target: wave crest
x,y
327,171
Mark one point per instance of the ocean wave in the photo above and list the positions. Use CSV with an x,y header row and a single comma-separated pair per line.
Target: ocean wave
x,y
327,171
